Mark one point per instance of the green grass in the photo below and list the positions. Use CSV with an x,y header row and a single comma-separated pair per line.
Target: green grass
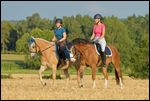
x,y
12,57
14,67
14,64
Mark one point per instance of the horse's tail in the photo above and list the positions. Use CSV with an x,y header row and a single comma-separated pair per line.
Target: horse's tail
x,y
116,62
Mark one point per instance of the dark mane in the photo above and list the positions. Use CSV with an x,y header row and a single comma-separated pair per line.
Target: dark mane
x,y
80,40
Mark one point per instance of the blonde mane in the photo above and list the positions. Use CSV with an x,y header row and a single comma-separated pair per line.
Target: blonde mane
x,y
45,41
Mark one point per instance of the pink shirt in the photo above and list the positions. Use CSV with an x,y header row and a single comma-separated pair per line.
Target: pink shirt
x,y
98,29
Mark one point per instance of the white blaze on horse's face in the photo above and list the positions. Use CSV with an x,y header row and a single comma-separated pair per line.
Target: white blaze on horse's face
x,y
32,49
71,50
72,54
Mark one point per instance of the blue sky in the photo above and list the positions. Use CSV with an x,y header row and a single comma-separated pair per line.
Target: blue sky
x,y
18,10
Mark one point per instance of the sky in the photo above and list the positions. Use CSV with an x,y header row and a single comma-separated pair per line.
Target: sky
x,y
19,10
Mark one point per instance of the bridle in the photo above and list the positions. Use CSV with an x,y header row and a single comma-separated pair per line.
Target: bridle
x,y
76,52
36,51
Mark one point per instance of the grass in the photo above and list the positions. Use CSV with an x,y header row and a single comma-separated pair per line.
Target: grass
x,y
12,57
14,64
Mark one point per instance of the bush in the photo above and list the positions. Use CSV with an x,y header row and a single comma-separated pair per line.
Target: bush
x,y
32,63
140,72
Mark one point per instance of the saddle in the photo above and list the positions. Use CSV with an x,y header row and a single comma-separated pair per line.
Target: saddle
x,y
98,50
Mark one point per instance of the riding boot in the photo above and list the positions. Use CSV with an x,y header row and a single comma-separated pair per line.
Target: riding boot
x,y
103,56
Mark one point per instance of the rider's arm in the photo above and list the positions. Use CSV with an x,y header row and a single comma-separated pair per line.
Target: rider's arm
x,y
64,37
93,35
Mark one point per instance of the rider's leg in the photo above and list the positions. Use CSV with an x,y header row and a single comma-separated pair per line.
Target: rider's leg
x,y
67,59
102,42
103,56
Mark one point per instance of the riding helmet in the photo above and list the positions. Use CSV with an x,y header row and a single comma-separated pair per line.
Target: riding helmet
x,y
98,16
58,21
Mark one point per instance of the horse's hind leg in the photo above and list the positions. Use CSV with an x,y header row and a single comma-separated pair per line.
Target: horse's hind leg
x,y
42,68
118,74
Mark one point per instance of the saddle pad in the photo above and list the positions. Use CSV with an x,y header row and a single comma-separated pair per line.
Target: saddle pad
x,y
107,50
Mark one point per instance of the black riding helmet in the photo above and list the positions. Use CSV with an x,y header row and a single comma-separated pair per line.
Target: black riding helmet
x,y
98,16
58,21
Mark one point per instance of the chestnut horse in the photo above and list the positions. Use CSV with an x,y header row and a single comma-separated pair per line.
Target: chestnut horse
x,y
89,57
49,56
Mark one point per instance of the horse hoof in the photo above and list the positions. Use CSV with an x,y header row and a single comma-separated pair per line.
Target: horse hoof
x,y
80,86
44,84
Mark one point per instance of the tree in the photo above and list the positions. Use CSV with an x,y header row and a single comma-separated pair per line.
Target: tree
x,y
33,21
5,28
21,27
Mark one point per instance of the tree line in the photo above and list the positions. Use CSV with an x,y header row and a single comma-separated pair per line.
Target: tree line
x,y
130,35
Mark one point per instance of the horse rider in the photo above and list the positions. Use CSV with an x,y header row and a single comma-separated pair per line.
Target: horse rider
x,y
99,36
60,36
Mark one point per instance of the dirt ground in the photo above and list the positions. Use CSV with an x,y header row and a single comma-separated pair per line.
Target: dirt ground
x,y
28,86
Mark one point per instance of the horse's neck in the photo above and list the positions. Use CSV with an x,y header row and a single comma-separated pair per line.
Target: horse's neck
x,y
43,43
82,47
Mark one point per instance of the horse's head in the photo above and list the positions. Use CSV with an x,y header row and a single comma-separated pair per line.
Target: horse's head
x,y
73,52
33,47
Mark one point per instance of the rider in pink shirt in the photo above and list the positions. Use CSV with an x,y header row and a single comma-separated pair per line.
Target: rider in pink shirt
x,y
98,29
99,36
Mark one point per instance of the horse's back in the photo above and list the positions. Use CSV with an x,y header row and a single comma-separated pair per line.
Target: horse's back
x,y
115,52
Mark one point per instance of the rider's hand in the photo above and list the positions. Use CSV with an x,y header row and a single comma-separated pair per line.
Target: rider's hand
x,y
91,41
58,42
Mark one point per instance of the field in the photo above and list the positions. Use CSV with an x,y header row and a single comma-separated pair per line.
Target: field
x,y
17,83
27,86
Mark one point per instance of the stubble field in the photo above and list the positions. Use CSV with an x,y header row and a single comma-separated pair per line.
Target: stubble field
x,y
28,86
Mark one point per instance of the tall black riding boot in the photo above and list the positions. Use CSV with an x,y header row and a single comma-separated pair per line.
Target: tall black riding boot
x,y
103,56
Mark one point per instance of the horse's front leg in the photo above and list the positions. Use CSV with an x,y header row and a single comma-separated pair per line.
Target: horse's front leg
x,y
94,75
42,68
67,76
54,74
80,76
104,69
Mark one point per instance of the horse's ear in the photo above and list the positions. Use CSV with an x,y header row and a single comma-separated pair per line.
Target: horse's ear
x,y
31,40
33,37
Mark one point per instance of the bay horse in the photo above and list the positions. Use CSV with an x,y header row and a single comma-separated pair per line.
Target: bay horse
x,y
89,57
49,57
